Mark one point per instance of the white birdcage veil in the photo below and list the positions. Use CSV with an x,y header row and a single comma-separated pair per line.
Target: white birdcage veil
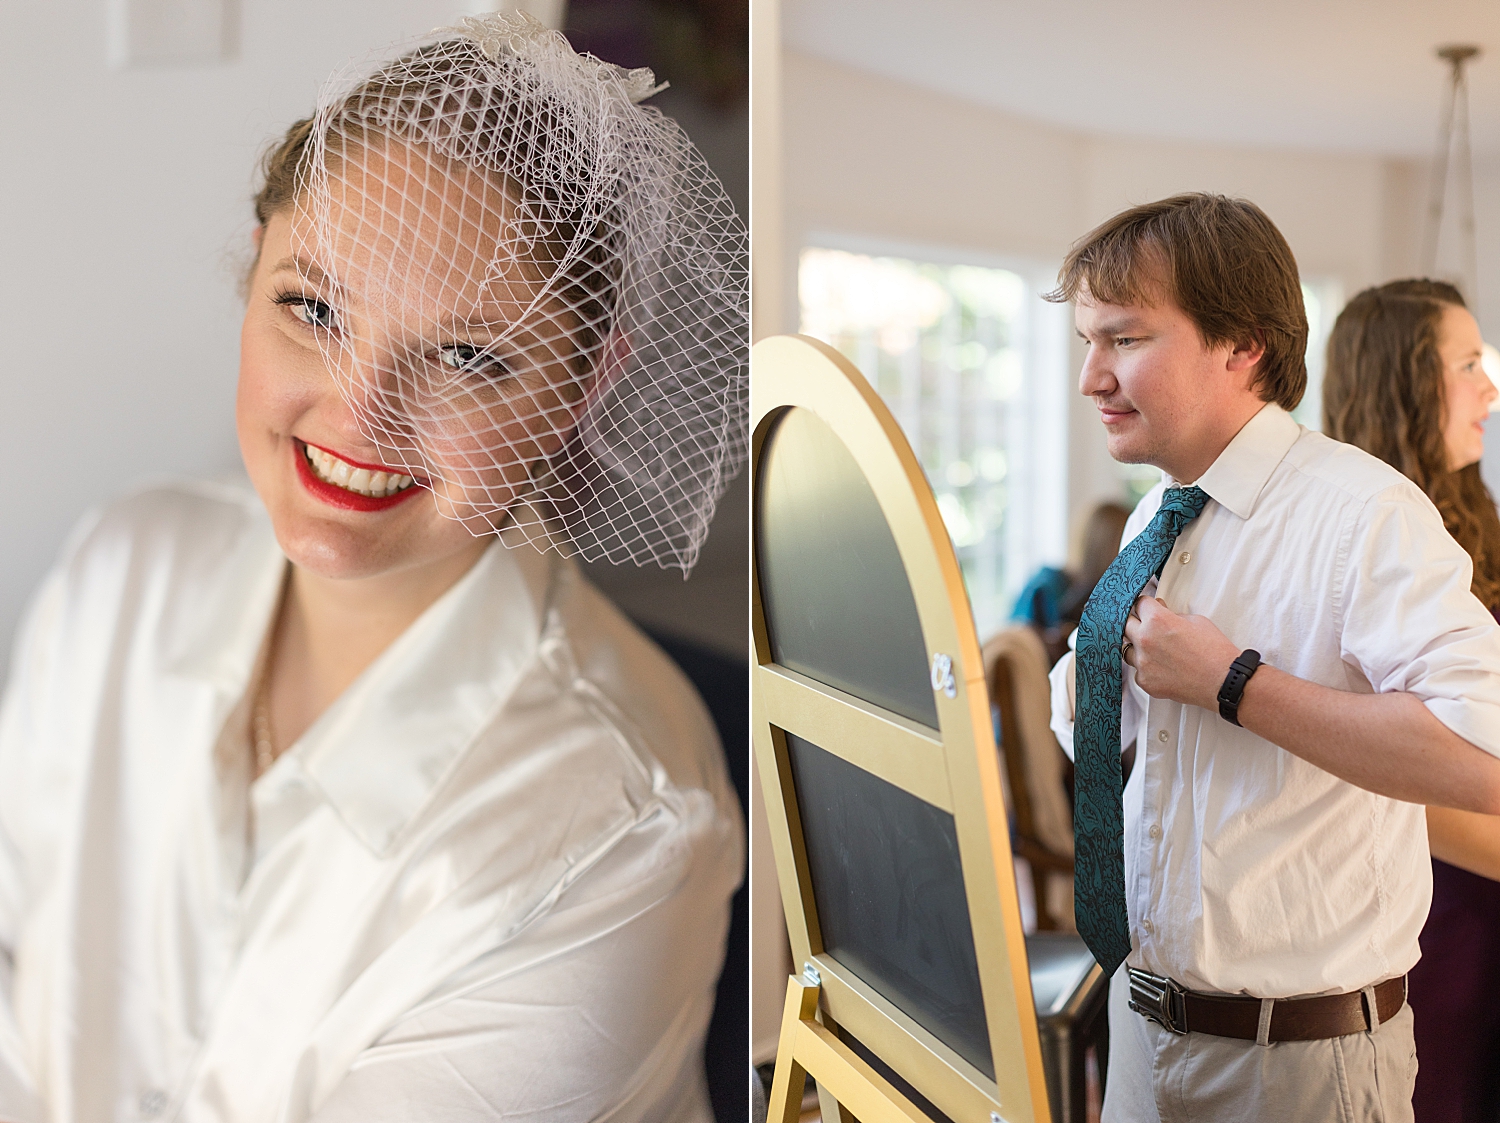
x,y
534,291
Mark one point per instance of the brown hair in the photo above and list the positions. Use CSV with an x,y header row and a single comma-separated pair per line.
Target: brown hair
x,y
1220,260
1383,391
282,169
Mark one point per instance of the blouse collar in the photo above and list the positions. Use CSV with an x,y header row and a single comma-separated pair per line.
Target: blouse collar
x,y
384,746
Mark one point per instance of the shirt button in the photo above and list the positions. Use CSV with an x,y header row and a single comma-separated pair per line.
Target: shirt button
x,y
1155,831
1162,734
1146,924
1187,556
152,1103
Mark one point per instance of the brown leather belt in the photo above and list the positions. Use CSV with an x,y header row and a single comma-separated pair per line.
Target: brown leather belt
x,y
1292,1019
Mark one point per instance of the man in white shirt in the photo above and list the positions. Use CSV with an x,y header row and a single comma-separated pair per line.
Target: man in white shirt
x,y
1274,835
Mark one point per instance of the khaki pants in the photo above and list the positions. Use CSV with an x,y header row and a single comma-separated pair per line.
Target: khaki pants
x,y
1157,1076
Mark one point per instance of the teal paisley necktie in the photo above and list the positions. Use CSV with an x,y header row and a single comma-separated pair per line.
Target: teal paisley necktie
x,y
1098,827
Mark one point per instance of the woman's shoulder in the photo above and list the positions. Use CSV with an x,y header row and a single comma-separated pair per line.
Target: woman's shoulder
x,y
533,686
167,557
175,515
595,754
642,693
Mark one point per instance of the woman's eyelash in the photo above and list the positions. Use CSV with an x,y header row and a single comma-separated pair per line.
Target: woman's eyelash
x,y
468,359
463,358
309,309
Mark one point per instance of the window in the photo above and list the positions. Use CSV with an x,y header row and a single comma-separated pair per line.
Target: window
x,y
973,364
1323,299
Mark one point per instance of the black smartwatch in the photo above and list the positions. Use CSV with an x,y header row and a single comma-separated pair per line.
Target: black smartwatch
x,y
1234,685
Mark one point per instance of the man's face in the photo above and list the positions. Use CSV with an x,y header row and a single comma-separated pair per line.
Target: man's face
x,y
1164,398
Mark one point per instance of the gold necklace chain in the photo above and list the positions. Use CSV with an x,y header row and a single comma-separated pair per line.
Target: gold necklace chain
x,y
261,733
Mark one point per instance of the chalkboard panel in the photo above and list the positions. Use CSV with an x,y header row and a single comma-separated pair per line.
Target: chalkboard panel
x,y
889,894
837,603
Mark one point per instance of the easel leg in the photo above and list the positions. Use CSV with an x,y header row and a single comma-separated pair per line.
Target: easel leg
x,y
785,1102
830,1110
841,1075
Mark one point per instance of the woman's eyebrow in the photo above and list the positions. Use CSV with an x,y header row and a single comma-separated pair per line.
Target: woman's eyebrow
x,y
304,268
492,314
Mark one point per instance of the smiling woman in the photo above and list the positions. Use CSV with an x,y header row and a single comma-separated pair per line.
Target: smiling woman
x,y
1405,382
348,798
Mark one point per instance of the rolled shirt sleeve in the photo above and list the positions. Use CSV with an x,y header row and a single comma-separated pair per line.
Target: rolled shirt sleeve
x,y
1063,700
1410,622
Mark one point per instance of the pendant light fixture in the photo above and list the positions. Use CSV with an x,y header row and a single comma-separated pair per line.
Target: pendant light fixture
x,y
1453,152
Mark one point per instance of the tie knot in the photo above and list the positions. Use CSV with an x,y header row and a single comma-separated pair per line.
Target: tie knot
x,y
1187,501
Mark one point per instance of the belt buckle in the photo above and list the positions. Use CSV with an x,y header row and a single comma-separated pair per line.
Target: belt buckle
x,y
1158,998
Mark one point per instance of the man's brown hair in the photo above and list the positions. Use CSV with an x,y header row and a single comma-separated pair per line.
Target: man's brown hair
x,y
1220,260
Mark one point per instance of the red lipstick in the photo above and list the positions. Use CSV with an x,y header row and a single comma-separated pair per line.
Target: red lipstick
x,y
343,498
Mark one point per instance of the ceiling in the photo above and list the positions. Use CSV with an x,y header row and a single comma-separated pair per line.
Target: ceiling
x,y
1340,75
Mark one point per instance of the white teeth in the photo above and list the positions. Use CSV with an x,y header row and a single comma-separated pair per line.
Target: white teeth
x,y
378,485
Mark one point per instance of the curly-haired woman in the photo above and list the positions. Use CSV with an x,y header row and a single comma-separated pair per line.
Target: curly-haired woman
x,y
1405,382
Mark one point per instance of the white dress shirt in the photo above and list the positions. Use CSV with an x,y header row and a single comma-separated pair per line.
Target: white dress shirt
x,y
492,880
1247,869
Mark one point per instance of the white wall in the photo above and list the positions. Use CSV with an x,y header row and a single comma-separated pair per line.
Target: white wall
x,y
124,222
770,952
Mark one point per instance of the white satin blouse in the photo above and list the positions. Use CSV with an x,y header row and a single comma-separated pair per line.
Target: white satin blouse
x,y
492,881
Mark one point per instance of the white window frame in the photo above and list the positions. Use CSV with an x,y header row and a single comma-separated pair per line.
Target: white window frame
x,y
1036,438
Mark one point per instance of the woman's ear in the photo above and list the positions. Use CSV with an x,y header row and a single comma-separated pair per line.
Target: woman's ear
x,y
611,364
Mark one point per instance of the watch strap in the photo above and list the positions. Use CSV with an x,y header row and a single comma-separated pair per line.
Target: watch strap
x,y
1234,685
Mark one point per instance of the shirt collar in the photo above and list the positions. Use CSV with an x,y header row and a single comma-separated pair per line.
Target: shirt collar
x,y
382,748
1236,479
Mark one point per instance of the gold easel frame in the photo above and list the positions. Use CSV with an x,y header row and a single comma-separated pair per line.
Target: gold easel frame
x,y
956,771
